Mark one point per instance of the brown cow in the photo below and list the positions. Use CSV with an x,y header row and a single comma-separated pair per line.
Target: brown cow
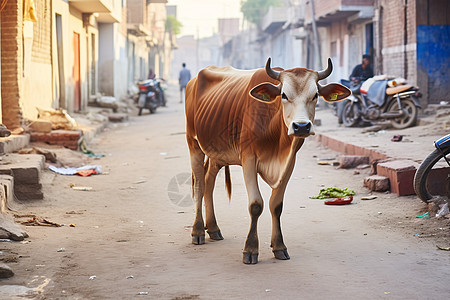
x,y
257,119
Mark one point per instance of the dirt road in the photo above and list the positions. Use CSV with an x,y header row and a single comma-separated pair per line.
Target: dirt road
x,y
132,232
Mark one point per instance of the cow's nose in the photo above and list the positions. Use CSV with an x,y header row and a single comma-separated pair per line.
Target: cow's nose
x,y
301,129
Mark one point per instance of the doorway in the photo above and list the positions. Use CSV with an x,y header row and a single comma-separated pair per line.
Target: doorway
x,y
76,73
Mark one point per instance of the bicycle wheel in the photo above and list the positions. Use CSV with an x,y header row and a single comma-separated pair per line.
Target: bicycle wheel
x,y
423,185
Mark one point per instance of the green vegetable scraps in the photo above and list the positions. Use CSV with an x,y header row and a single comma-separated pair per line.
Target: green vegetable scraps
x,y
334,193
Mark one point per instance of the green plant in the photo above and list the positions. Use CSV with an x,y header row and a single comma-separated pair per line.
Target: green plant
x,y
254,10
173,25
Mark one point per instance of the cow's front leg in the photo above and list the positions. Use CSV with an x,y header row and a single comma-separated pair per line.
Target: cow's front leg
x,y
198,175
255,207
276,207
211,169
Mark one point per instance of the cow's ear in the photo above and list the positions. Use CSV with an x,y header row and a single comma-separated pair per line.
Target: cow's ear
x,y
333,92
266,92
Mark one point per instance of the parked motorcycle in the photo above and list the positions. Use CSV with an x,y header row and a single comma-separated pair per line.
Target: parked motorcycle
x,y
151,95
379,99
425,183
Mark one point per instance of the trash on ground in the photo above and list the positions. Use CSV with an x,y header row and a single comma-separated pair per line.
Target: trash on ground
x,y
443,211
424,216
72,225
88,152
83,171
339,201
61,250
397,138
334,192
130,277
372,197
92,277
81,188
143,293
443,248
38,221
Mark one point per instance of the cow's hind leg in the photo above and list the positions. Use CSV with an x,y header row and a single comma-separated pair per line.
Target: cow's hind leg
x,y
198,176
211,170
255,207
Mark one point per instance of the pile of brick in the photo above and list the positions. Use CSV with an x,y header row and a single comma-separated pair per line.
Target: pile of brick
x,y
67,138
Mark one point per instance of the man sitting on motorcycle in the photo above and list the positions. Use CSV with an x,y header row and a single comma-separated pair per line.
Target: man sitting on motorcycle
x,y
360,73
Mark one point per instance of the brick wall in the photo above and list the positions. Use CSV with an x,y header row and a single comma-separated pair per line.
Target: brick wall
x,y
11,63
399,55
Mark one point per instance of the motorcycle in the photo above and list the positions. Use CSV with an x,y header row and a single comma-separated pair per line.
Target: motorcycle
x,y
151,95
425,183
379,99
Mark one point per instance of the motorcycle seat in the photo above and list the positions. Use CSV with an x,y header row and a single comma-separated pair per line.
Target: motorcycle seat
x,y
397,89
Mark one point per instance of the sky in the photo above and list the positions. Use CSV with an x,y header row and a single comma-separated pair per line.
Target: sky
x,y
199,17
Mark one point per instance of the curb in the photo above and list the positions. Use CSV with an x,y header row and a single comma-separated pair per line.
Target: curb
x,y
400,172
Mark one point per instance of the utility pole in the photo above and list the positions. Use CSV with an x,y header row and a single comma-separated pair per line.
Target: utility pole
x,y
317,54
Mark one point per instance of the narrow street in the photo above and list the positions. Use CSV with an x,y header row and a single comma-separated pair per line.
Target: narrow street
x,y
131,235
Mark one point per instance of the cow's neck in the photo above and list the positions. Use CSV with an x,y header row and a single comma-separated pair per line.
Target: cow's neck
x,y
276,167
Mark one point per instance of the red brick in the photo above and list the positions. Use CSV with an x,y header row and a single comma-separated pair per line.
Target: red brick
x,y
400,174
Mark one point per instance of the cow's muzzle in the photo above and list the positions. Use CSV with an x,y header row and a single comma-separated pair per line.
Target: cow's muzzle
x,y
301,129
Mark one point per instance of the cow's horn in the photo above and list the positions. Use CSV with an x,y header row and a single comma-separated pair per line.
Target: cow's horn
x,y
325,73
272,73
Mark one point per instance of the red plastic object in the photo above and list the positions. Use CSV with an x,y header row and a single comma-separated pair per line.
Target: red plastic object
x,y
339,201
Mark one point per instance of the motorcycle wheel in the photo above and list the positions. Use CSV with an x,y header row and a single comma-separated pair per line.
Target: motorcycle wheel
x,y
421,182
411,114
350,114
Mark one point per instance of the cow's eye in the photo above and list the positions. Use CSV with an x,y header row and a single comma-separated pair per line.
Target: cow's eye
x,y
284,97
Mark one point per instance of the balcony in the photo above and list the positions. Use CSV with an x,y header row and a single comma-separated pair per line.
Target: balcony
x,y
330,11
115,16
92,6
275,18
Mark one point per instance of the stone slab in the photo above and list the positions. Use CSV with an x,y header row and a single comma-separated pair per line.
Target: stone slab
x,y
15,232
14,143
25,168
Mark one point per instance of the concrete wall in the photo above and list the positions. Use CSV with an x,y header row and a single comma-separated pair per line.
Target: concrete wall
x,y
37,60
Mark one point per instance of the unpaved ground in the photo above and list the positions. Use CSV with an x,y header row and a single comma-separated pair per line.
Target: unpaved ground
x,y
132,234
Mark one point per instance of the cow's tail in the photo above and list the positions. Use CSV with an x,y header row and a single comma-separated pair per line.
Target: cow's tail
x,y
228,182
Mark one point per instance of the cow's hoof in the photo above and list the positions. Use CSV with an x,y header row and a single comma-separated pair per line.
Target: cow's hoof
x,y
250,259
216,235
198,239
281,254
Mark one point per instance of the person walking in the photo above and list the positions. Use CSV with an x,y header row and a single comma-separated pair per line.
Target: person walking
x,y
183,79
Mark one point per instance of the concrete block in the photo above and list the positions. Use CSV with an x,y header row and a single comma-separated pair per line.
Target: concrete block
x,y
6,192
43,126
25,168
28,192
377,183
352,161
14,143
400,174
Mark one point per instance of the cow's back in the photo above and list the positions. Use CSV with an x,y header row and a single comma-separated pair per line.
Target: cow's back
x,y
215,104
225,119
